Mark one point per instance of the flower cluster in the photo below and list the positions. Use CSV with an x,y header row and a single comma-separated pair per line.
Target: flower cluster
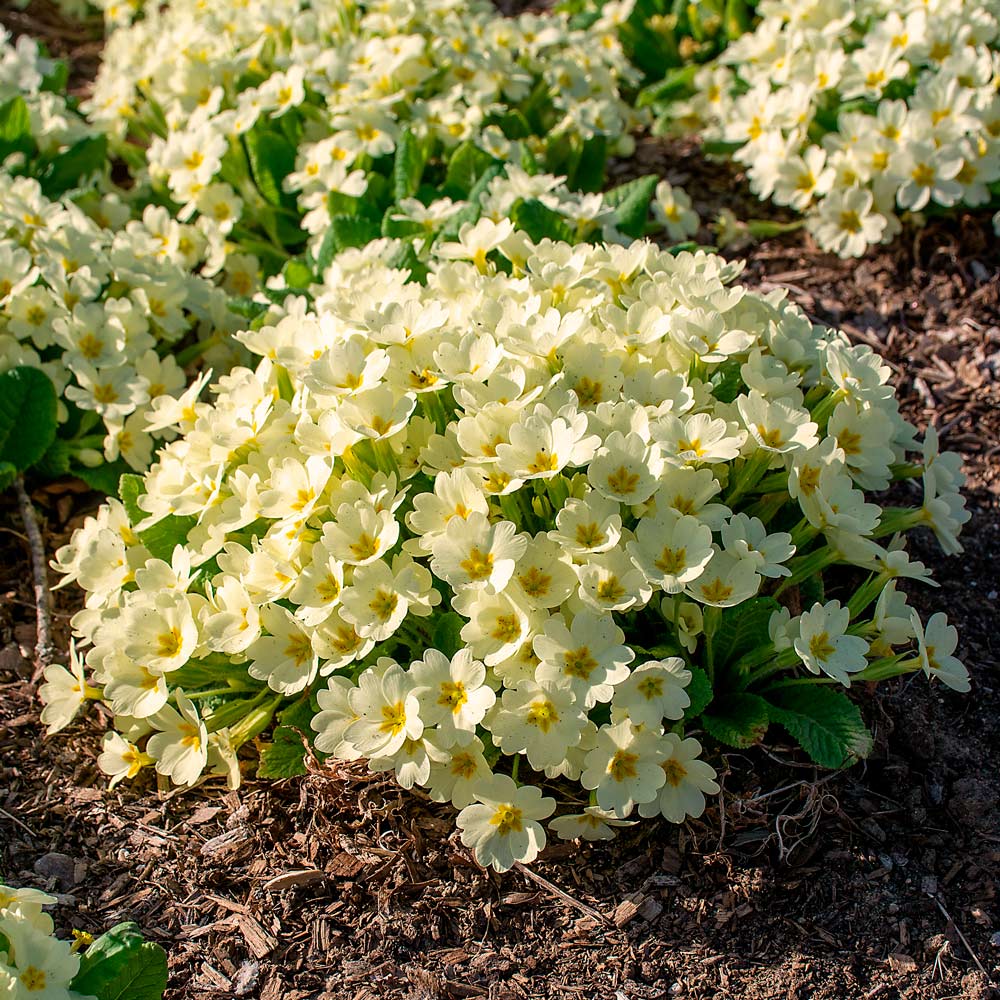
x,y
38,80
519,525
857,111
32,960
99,303
332,89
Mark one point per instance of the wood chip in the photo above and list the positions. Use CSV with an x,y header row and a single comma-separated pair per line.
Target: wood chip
x,y
258,940
300,876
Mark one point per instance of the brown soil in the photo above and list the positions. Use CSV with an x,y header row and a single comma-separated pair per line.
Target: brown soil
x,y
879,882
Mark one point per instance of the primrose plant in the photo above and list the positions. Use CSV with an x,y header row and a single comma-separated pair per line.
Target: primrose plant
x,y
98,316
118,965
854,112
272,119
513,534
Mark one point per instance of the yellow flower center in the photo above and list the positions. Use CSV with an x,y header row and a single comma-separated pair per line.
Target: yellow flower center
x,y
479,564
589,536
622,767
579,663
623,481
675,772
650,687
453,695
507,819
821,647
534,582
542,714
716,591
383,604
169,643
671,561
33,979
393,718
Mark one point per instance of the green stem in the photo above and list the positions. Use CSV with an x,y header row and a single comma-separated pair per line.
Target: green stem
x,y
754,469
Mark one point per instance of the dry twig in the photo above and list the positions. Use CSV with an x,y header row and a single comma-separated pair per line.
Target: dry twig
x,y
962,938
45,650
560,894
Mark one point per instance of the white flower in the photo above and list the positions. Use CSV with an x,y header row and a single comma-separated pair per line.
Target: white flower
x,y
286,656
936,643
589,657
654,691
540,720
687,781
180,745
472,553
451,693
824,646
624,767
387,710
593,823
502,827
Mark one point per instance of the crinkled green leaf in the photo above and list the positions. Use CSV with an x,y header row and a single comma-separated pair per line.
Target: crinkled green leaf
x,y
75,166
407,166
447,633
631,202
28,404
824,722
737,719
161,538
120,965
699,691
285,757
743,628
15,127
466,165
272,159
345,231
540,222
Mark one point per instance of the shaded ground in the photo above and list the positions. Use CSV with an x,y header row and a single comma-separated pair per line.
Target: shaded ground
x,y
879,882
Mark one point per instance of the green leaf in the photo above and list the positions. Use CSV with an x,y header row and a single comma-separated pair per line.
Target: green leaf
x,y
737,719
70,169
675,83
743,628
473,210
297,274
699,691
726,381
465,166
15,127
589,172
345,231
272,159
163,537
28,404
8,473
55,462
540,222
120,965
408,166
631,201
285,757
824,722
447,633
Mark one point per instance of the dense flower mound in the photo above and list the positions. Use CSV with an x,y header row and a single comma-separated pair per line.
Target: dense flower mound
x,y
100,303
857,111
525,524
261,112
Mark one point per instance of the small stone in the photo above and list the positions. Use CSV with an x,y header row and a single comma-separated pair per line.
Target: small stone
x,y
995,940
61,868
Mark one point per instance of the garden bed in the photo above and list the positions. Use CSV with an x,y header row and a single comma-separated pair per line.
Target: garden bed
x,y
877,882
